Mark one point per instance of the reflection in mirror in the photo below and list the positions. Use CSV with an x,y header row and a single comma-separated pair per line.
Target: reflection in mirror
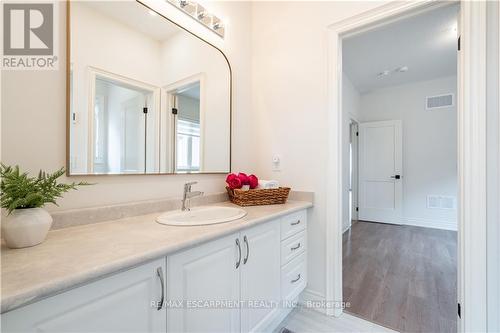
x,y
187,128
145,96
124,120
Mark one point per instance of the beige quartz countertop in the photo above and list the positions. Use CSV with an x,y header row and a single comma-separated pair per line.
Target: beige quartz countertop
x,y
77,255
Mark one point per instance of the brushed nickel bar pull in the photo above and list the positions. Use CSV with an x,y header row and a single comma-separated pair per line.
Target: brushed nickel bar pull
x,y
239,253
297,279
159,272
248,249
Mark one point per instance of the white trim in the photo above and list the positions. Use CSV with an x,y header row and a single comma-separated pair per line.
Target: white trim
x,y
471,145
170,141
354,127
472,167
493,168
312,299
429,223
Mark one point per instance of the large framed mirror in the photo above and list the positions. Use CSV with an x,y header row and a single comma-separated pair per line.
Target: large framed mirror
x,y
144,95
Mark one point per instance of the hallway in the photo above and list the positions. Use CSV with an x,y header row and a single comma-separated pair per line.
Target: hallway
x,y
402,277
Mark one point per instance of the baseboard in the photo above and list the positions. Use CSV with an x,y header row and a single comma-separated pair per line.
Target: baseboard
x,y
430,223
312,299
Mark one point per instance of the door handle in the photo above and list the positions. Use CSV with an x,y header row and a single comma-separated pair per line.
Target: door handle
x,y
296,247
239,253
296,279
295,223
159,273
248,250
396,177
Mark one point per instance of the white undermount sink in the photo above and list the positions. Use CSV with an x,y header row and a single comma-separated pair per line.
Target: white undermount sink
x,y
203,215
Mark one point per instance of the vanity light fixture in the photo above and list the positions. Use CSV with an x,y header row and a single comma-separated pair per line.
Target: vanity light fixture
x,y
200,14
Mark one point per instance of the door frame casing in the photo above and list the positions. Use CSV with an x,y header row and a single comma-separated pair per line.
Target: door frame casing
x,y
354,128
168,140
471,153
94,72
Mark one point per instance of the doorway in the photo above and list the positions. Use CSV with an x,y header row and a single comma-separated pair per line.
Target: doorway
x,y
400,255
123,123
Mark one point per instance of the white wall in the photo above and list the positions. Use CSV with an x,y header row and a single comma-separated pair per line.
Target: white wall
x,y
429,146
289,80
33,132
351,100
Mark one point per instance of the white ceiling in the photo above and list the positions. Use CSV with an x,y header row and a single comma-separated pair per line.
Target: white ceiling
x,y
193,91
426,43
136,16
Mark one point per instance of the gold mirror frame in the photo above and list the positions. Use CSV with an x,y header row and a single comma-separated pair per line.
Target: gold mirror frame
x,y
68,102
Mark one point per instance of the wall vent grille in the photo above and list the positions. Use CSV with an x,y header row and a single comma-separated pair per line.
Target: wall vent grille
x,y
441,202
439,102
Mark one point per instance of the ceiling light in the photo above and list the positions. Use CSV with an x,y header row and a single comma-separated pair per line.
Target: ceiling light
x,y
382,74
402,69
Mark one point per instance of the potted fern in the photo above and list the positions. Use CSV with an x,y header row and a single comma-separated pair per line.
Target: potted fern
x,y
23,197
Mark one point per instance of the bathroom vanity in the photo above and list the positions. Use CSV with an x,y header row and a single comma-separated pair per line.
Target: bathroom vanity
x,y
136,275
169,113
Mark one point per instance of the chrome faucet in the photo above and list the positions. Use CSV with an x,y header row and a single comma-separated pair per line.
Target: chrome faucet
x,y
188,194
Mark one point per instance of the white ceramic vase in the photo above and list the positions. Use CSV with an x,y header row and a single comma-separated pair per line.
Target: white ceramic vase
x,y
26,227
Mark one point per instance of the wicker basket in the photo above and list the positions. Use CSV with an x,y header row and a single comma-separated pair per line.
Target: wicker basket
x,y
258,197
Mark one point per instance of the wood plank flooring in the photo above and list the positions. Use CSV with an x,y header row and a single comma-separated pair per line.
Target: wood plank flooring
x,y
402,277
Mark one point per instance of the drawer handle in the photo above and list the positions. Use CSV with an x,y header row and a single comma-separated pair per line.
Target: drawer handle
x,y
159,272
245,239
295,223
297,279
295,247
239,253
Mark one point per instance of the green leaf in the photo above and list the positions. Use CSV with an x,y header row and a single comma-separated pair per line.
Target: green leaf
x,y
18,190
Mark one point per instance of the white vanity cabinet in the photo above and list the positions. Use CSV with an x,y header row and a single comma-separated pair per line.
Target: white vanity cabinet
x,y
118,303
205,273
234,270
250,273
260,276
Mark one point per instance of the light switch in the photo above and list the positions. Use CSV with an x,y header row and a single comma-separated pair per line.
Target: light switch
x,y
276,163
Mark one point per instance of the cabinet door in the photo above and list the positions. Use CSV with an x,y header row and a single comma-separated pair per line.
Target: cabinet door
x,y
119,303
204,288
260,276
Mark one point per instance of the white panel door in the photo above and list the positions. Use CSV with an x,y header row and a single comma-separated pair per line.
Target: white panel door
x,y
260,276
119,303
198,279
380,171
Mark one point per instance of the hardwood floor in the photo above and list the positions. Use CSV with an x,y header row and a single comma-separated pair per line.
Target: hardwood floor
x,y
402,277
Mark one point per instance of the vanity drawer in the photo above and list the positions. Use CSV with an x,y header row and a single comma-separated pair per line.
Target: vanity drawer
x,y
293,223
293,247
294,278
